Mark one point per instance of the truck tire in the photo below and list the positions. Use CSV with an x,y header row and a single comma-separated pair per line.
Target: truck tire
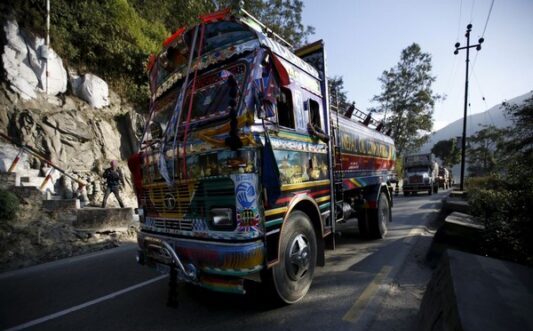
x,y
292,276
379,218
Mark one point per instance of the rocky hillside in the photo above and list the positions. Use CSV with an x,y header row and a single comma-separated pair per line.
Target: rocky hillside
x,y
79,125
494,116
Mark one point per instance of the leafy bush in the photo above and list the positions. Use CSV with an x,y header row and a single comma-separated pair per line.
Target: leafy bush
x,y
503,200
487,182
9,205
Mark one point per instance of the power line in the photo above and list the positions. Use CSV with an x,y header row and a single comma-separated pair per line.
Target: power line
x,y
483,34
459,22
472,10
488,17
483,98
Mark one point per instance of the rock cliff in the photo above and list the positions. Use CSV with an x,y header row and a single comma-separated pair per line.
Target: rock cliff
x,y
80,125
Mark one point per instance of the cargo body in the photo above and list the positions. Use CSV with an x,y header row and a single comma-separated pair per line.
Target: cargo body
x,y
243,169
420,174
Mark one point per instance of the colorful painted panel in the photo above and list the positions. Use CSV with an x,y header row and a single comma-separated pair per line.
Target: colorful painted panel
x,y
298,167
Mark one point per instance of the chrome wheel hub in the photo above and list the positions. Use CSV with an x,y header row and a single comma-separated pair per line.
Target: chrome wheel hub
x,y
298,258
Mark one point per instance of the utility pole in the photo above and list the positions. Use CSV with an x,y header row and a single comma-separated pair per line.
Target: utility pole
x,y
457,49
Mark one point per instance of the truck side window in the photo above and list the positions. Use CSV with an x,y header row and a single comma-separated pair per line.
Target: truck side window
x,y
285,110
314,114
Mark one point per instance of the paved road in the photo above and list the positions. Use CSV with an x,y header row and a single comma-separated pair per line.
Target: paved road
x,y
109,291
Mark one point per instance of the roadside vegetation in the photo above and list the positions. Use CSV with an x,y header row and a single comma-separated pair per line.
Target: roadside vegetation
x,y
500,185
9,205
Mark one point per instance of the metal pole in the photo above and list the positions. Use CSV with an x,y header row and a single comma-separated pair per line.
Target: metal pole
x,y
463,141
457,49
47,40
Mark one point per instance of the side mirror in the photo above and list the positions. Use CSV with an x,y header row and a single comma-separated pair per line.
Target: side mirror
x,y
264,108
156,130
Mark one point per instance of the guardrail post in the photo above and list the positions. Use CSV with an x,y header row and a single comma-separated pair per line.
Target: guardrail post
x,y
47,178
15,161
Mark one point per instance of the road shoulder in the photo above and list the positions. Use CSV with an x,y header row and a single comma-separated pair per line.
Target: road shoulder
x,y
405,289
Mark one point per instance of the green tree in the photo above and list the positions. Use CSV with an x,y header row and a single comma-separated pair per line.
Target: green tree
x,y
447,152
520,136
482,151
337,94
407,99
284,17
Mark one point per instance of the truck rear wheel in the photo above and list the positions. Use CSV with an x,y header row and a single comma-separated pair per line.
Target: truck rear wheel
x,y
373,222
292,276
379,218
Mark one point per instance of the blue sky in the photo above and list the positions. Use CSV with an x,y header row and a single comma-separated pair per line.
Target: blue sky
x,y
363,38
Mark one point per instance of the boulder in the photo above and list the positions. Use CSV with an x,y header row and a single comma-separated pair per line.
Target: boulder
x,y
24,60
90,88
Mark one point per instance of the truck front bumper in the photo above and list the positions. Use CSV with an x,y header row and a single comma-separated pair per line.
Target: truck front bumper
x,y
220,266
416,187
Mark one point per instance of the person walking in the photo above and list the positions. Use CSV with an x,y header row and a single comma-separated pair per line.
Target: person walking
x,y
114,178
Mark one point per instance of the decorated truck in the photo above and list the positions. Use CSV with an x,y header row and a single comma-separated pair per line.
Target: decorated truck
x,y
420,174
244,169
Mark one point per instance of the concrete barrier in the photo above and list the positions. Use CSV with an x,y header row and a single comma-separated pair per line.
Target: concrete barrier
x,y
472,292
459,231
103,218
61,205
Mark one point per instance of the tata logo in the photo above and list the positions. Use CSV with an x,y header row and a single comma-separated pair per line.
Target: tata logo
x,y
170,201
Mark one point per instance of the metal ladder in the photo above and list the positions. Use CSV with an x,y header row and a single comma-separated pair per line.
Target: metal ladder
x,y
337,179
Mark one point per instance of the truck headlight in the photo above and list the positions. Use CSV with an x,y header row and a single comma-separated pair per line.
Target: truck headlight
x,y
222,218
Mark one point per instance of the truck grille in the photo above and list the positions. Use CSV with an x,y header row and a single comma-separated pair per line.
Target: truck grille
x,y
173,208
173,225
175,199
415,179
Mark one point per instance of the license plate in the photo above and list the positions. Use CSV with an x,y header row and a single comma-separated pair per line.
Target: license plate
x,y
162,268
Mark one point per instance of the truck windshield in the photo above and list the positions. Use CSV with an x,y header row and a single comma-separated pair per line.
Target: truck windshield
x,y
217,36
417,169
211,95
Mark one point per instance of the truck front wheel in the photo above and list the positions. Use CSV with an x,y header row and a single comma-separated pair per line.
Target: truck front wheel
x,y
292,276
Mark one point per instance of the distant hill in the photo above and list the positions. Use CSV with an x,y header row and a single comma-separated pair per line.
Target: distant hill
x,y
494,116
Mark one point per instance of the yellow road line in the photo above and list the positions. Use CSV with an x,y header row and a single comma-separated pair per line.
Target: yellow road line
x,y
363,300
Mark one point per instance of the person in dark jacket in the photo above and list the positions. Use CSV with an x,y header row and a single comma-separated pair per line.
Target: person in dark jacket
x,y
115,179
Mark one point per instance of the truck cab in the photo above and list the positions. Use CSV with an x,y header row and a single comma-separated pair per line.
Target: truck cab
x,y
420,174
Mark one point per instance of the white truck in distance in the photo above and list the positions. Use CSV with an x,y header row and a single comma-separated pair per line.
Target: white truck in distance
x,y
420,174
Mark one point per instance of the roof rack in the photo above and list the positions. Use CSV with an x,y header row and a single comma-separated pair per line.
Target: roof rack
x,y
268,31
